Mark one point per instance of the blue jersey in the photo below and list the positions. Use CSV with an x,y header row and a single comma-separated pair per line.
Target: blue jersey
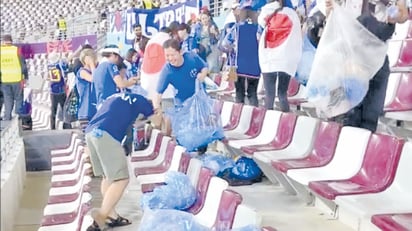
x,y
56,76
87,98
103,82
182,78
118,112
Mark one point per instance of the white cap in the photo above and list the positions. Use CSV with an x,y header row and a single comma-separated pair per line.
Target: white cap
x,y
53,57
110,50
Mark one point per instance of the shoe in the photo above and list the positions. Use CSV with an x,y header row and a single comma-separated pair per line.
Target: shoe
x,y
116,222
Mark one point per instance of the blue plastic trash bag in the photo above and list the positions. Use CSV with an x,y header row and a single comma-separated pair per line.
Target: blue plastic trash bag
x,y
216,162
210,84
306,61
166,219
245,169
178,193
196,124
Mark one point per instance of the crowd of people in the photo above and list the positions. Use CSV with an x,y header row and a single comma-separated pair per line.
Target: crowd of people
x,y
263,39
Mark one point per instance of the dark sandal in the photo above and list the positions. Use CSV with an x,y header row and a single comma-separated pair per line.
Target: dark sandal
x,y
116,222
93,227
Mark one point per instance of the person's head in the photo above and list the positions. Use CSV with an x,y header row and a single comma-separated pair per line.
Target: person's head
x,y
53,58
131,55
173,54
122,69
174,27
87,56
166,29
6,39
205,18
183,31
112,53
137,28
87,46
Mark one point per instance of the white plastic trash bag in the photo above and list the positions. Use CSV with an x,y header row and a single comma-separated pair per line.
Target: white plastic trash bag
x,y
347,57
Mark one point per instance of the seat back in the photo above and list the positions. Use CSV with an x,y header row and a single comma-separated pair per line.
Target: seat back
x,y
193,170
227,209
325,142
202,186
392,87
256,122
184,163
269,127
226,111
217,106
285,130
208,213
244,119
173,162
380,161
405,57
393,222
234,116
349,153
402,181
293,87
403,98
401,30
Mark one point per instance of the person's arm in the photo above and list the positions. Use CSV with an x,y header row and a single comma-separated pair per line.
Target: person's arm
x,y
86,75
202,74
162,85
24,70
124,83
403,13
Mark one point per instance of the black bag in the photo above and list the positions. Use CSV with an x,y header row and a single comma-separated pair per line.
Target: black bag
x,y
71,106
26,123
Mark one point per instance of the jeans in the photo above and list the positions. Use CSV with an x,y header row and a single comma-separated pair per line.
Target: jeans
x,y
250,88
367,113
13,97
270,92
56,100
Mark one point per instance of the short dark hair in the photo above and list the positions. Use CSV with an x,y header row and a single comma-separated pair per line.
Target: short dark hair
x,y
172,43
165,29
130,53
7,38
184,26
137,25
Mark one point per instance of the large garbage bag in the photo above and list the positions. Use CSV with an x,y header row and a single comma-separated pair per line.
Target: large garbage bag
x,y
177,193
196,124
347,57
167,219
245,169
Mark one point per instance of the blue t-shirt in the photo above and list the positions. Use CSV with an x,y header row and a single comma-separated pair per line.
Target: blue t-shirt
x,y
118,112
103,83
56,74
182,78
87,98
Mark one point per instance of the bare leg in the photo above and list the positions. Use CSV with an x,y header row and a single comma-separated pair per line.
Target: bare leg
x,y
103,189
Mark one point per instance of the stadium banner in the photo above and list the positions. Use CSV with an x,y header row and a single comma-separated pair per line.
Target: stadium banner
x,y
121,22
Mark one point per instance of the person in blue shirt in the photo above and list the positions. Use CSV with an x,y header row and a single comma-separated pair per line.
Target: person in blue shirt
x,y
106,77
84,78
56,76
181,71
188,41
104,135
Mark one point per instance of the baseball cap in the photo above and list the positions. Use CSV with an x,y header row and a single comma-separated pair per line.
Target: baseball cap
x,y
111,49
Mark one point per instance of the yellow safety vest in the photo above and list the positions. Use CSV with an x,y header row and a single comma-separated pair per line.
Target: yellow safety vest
x,y
147,4
62,24
10,65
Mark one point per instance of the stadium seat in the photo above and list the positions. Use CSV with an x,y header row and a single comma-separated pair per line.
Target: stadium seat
x,y
65,180
152,151
285,131
300,146
322,153
217,106
393,222
226,112
226,211
403,99
346,162
405,57
250,123
395,199
394,49
63,151
376,174
401,31
70,193
208,213
234,117
157,173
69,158
391,89
268,131
202,186
160,157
